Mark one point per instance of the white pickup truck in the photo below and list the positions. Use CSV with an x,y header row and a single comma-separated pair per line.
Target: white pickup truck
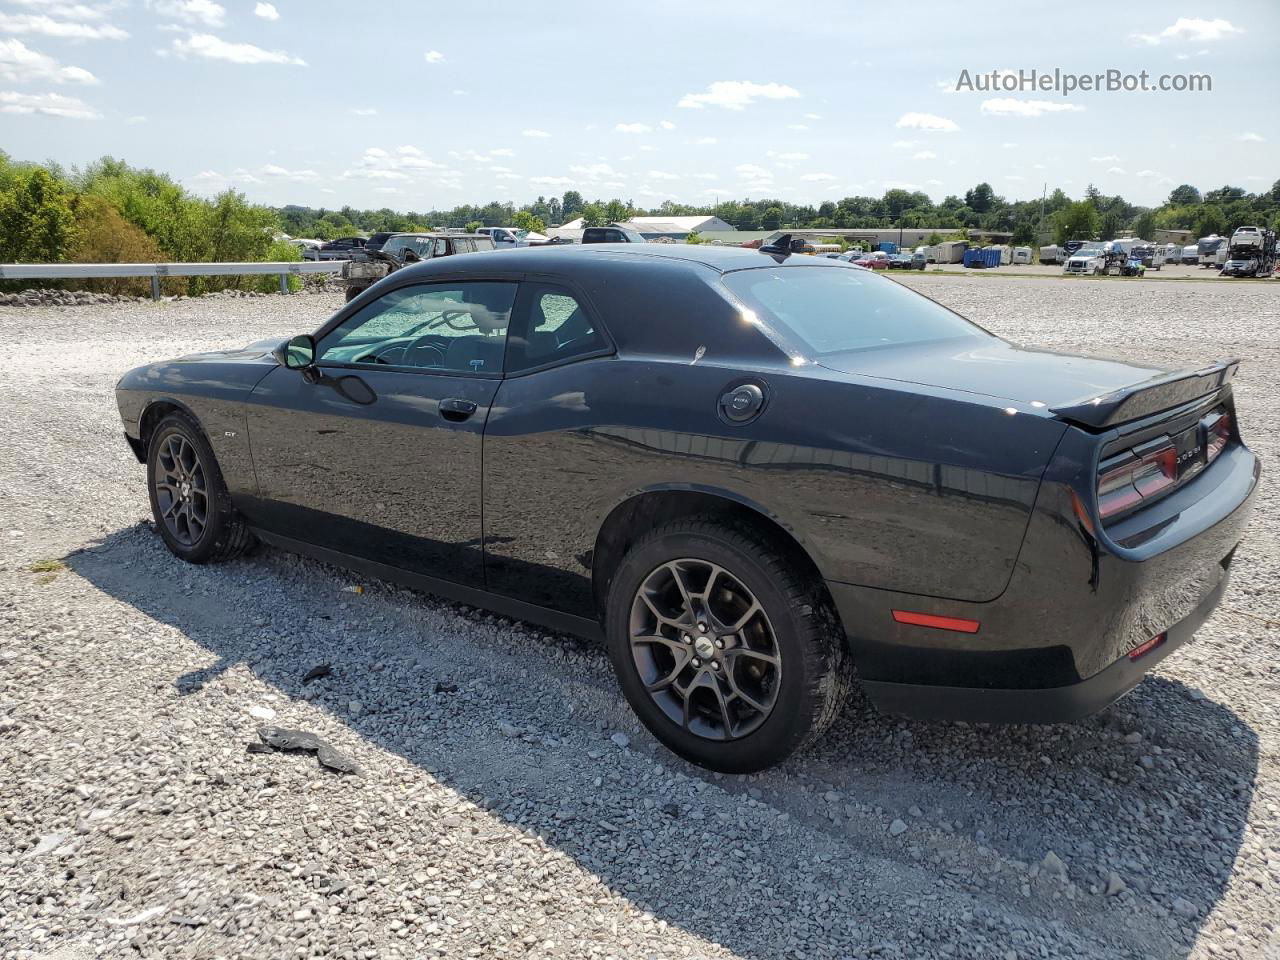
x,y
1087,261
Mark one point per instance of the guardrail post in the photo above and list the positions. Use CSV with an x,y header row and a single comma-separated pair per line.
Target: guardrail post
x,y
155,288
284,283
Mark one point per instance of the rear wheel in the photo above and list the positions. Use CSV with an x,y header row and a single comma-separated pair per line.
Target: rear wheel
x,y
726,650
189,500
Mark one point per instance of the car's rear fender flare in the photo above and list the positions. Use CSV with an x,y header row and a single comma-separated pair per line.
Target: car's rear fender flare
x,y
642,509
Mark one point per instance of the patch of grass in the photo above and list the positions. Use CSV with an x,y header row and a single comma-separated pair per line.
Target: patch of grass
x,y
46,578
48,566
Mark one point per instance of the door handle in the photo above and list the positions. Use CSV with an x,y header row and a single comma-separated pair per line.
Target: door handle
x,y
456,409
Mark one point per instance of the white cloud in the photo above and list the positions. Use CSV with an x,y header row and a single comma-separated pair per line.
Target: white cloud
x,y
705,176
813,116
1013,107
934,183
365,111
209,47
433,56
502,152
667,125
906,144
662,175
373,173
1013,176
818,177
926,121
408,150
924,155
67,8
736,95
1250,137
1116,170
793,157
267,11
551,181
1109,158
1009,146
705,141
1191,29
63,29
796,126
297,176
20,64
203,12
633,128
753,171
899,185
1146,173
459,93
534,133
136,119
508,175
595,171
49,104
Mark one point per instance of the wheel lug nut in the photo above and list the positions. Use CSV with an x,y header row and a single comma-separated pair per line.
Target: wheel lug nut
x,y
719,644
686,638
696,662
702,628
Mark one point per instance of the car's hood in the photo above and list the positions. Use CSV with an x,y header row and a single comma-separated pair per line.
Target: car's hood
x,y
994,368
257,352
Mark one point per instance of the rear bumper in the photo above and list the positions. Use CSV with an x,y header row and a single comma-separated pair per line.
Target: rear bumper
x,y
1050,705
1055,645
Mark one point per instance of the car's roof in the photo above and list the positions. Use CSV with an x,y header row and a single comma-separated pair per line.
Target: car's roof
x,y
578,258
435,233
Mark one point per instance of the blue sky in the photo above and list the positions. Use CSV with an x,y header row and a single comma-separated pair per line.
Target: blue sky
x,y
428,106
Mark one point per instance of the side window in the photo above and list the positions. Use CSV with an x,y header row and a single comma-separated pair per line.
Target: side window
x,y
447,327
552,327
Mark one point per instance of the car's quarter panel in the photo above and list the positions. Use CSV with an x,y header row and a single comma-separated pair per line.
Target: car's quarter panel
x,y
390,480
912,491
211,387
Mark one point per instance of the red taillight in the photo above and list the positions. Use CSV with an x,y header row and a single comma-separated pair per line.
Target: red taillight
x,y
1145,648
932,620
1217,434
1127,486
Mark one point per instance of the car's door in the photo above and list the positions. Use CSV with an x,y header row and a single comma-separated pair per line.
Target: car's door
x,y
539,459
381,456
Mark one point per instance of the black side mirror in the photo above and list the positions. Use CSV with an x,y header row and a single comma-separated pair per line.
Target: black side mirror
x,y
299,353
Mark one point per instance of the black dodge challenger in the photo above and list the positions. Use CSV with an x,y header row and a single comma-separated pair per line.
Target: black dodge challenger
x,y
757,475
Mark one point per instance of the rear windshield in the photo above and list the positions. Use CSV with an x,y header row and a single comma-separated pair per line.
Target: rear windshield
x,y
832,310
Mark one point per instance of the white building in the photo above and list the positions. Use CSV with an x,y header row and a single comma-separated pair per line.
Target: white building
x,y
651,227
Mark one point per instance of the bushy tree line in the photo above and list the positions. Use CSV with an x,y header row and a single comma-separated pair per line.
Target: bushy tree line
x,y
110,212
1056,216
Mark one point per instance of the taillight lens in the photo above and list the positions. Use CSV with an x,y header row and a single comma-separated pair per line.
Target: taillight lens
x,y
1127,486
1217,434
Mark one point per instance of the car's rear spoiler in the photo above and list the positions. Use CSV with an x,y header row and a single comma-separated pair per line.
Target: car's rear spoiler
x,y
1148,397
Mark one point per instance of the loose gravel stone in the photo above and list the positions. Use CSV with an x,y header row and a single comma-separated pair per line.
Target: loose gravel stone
x,y
126,679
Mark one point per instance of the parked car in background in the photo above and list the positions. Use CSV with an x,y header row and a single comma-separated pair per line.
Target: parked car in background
x,y
919,258
1091,261
1190,255
990,533
341,249
512,236
875,260
306,246
1151,254
376,240
611,235
1021,256
405,248
900,261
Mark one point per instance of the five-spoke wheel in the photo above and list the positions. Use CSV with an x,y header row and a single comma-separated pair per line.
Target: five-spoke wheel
x,y
181,488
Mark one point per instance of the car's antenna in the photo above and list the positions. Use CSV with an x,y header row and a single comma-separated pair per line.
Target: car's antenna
x,y
784,246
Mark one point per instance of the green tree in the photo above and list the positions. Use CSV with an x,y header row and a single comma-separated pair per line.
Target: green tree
x,y
1145,226
694,237
1183,196
1210,221
980,199
593,215
571,204
472,226
771,219
527,221
37,224
1076,221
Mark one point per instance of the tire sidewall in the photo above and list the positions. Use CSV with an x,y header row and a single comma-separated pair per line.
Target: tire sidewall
x,y
215,528
789,721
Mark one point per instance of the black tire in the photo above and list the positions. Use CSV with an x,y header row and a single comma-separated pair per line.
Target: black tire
x,y
814,671
222,533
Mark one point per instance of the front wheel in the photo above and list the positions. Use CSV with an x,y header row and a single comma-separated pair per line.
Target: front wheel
x,y
728,651
189,500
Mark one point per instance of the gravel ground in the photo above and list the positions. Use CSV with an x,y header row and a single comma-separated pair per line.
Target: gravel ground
x,y
508,804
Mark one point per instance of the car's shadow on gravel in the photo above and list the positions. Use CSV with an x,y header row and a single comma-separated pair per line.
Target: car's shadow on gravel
x,y
1144,806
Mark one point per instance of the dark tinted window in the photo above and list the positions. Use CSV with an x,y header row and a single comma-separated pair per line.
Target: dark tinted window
x,y
830,310
557,329
455,327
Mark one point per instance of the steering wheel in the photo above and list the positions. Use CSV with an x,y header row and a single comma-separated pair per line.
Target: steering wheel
x,y
418,344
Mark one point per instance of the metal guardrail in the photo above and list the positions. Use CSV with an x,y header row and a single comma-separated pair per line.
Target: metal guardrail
x,y
69,271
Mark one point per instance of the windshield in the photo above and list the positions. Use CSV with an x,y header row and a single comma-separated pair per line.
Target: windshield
x,y
834,310
1089,252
